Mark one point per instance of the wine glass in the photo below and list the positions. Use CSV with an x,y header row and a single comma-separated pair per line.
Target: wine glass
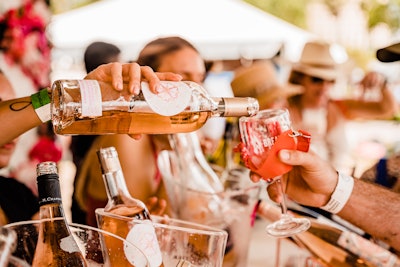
x,y
262,136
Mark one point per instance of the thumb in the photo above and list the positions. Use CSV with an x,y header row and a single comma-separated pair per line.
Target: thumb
x,y
309,160
293,157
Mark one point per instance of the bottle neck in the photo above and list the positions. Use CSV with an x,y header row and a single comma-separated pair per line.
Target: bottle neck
x,y
116,187
114,181
235,106
50,201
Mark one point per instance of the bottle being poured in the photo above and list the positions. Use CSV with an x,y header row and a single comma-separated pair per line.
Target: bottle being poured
x,y
80,107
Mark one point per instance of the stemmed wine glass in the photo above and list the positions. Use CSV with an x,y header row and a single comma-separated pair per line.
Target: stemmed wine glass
x,y
262,136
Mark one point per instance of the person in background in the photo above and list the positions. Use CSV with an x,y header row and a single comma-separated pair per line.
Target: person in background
x,y
96,54
46,148
314,111
386,171
315,182
17,201
260,80
139,157
25,59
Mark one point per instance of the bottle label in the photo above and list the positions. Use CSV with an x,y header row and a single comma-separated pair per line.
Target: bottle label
x,y
90,98
68,244
49,200
367,250
173,99
143,236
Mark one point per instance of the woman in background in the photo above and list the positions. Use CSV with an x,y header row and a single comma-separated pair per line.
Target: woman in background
x,y
139,157
17,201
323,117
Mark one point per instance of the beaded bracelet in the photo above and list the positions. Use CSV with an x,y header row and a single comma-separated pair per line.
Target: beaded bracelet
x,y
341,195
41,104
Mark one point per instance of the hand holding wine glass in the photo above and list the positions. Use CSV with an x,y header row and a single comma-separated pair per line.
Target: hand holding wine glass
x,y
262,136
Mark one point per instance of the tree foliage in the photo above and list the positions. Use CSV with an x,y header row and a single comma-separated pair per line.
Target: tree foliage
x,y
291,11
382,12
376,11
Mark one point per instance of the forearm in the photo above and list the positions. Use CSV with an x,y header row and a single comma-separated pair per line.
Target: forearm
x,y
375,210
16,117
388,103
384,108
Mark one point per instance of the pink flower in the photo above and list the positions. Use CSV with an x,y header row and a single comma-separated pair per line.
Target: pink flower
x,y
24,40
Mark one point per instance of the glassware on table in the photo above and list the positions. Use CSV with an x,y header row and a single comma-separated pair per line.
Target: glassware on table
x,y
182,243
231,209
7,246
90,240
262,136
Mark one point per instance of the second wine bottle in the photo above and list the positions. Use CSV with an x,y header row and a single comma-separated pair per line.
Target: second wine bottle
x,y
121,203
55,246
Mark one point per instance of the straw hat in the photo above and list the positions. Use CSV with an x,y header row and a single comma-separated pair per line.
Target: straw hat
x,y
316,60
260,81
390,53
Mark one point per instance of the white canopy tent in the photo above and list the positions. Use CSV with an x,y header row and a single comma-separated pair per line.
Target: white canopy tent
x,y
220,29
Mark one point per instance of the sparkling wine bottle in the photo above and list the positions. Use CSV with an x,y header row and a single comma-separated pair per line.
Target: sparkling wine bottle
x,y
120,202
84,107
55,246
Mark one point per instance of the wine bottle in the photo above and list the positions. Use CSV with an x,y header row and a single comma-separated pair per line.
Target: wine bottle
x,y
353,248
81,107
120,202
356,244
55,246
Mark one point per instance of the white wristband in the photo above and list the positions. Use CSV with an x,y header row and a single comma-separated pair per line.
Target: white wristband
x,y
341,194
41,104
44,113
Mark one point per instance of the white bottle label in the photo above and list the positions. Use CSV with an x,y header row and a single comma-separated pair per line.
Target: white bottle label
x,y
68,244
174,98
368,250
143,236
90,98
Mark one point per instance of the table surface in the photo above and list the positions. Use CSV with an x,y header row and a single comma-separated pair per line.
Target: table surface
x,y
263,248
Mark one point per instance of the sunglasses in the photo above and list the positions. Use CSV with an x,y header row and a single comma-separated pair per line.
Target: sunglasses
x,y
318,80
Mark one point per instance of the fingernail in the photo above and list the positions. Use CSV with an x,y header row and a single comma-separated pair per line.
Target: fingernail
x,y
120,86
159,88
136,89
284,155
